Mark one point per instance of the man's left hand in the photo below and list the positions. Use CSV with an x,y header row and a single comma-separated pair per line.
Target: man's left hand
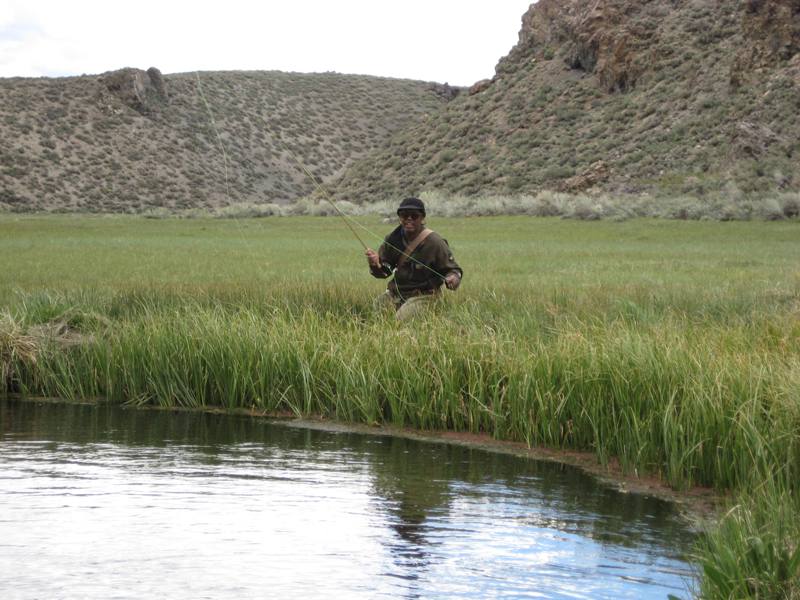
x,y
452,281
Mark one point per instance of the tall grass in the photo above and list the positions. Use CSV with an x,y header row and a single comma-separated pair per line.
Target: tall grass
x,y
673,349
755,550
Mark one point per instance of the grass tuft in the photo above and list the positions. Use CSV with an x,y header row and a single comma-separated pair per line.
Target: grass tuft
x,y
17,352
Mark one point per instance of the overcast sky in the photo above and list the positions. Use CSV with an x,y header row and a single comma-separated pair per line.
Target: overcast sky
x,y
457,41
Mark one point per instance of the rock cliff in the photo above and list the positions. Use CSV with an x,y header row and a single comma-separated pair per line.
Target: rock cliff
x,y
660,96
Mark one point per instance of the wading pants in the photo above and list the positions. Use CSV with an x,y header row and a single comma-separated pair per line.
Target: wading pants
x,y
412,307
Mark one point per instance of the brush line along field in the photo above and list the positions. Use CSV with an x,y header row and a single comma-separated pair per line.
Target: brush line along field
x,y
672,347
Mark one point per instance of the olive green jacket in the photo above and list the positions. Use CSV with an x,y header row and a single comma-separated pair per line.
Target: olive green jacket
x,y
423,273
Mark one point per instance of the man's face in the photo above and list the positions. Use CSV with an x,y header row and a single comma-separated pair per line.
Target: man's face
x,y
411,221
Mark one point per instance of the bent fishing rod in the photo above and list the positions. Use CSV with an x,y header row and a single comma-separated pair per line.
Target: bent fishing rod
x,y
348,219
325,193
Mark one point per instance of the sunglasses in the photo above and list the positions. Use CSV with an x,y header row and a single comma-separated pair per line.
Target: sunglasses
x,y
409,215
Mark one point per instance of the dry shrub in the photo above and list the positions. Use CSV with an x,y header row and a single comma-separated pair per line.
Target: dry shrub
x,y
791,205
60,333
245,210
16,347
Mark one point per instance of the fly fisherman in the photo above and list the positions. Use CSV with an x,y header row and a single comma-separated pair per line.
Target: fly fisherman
x,y
420,260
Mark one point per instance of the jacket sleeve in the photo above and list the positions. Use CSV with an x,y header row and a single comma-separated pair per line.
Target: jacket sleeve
x,y
445,263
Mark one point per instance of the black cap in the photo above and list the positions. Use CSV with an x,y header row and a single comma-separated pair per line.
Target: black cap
x,y
412,204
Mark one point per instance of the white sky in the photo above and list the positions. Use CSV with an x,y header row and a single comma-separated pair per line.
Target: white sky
x,y
458,41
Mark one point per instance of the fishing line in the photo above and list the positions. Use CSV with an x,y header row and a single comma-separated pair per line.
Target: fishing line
x,y
346,218
216,133
225,163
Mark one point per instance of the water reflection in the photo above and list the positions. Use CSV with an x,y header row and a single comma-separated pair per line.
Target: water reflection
x,y
299,511
548,509
412,485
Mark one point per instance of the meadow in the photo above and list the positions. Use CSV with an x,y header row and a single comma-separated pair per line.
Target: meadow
x,y
672,347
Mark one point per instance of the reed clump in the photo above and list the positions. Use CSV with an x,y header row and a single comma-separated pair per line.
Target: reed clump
x,y
695,404
754,552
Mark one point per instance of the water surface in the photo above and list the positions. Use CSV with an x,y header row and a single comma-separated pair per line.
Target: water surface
x,y
104,502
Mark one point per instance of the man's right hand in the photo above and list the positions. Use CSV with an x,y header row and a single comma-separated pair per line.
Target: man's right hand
x,y
372,258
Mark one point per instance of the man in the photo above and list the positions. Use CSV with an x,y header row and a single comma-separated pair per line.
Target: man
x,y
420,260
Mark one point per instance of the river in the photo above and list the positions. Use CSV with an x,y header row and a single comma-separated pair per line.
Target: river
x,y
99,501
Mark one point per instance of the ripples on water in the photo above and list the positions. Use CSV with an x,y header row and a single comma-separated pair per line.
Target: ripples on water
x,y
100,502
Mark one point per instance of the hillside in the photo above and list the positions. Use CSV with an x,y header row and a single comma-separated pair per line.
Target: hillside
x,y
680,97
130,140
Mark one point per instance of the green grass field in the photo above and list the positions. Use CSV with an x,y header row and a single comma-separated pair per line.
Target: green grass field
x,y
684,262
673,347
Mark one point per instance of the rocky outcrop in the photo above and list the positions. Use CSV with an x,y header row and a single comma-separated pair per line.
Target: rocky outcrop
x,y
157,81
771,31
479,86
614,39
595,174
445,90
143,91
630,96
608,43
602,37
752,139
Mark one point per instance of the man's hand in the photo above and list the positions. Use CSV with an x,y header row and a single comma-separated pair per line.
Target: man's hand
x,y
453,280
372,258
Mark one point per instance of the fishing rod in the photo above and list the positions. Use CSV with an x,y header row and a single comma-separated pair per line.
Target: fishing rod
x,y
327,196
347,219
